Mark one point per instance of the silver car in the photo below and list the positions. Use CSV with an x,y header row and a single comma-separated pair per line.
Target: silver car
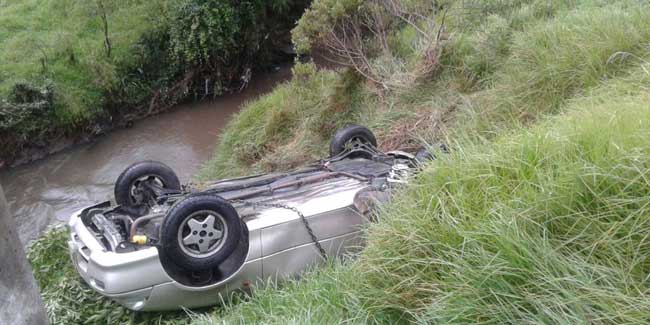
x,y
164,246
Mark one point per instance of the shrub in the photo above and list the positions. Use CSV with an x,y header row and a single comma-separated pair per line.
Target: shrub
x,y
362,35
319,19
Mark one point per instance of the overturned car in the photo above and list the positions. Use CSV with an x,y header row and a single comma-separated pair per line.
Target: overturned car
x,y
164,246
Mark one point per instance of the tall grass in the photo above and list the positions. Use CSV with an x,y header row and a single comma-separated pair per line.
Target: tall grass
x,y
548,224
557,59
523,222
500,73
530,71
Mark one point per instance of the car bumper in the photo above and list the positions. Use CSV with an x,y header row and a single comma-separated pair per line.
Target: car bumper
x,y
126,277
137,280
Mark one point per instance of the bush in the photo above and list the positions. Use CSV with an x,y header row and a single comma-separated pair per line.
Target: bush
x,y
204,31
391,43
218,42
26,106
319,19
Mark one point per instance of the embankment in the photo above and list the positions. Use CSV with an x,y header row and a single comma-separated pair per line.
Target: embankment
x,y
539,214
71,70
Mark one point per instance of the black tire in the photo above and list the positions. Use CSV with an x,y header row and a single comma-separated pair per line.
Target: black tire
x,y
133,173
174,228
348,133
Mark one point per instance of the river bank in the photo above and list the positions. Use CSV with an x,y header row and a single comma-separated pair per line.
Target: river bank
x,y
538,214
47,191
58,140
72,70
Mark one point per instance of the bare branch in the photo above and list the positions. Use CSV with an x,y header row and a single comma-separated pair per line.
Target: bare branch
x,y
361,41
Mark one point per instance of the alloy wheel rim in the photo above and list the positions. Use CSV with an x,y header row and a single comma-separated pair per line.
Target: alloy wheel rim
x,y
202,233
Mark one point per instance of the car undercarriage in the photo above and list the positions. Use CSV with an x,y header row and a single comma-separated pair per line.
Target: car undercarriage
x,y
164,246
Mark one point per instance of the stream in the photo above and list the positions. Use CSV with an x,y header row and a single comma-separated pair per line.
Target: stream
x,y
47,191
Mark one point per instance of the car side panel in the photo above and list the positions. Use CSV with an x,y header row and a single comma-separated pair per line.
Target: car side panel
x,y
170,296
326,225
291,262
287,263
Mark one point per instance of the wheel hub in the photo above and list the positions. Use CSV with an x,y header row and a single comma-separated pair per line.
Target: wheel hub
x,y
202,233
137,195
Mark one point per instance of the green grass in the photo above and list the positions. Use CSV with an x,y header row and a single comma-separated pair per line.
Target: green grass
x,y
532,218
537,67
67,299
62,43
539,214
547,224
560,58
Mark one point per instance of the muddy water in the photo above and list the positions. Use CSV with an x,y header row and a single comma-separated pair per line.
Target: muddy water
x,y
48,191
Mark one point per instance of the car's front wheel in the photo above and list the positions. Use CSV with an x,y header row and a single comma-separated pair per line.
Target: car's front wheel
x,y
200,232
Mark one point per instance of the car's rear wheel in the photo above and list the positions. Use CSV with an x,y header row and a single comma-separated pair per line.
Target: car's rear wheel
x,y
200,232
352,138
130,184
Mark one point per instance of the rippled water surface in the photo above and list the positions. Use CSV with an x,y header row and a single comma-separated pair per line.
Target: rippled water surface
x,y
48,191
